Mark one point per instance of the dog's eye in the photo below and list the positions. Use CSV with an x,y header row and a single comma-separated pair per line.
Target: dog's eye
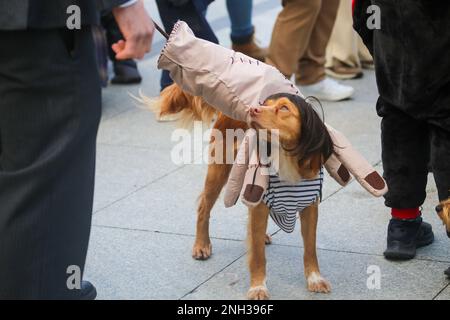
x,y
284,108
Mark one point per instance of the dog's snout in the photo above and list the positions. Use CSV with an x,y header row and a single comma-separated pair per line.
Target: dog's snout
x,y
448,234
254,111
438,208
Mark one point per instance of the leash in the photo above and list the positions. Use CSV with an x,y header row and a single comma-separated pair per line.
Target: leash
x,y
161,31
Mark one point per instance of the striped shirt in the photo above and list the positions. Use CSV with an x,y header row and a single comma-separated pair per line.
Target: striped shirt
x,y
285,200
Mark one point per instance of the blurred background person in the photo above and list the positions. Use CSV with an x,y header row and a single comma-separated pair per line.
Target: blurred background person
x,y
125,71
50,110
298,46
242,29
193,12
346,54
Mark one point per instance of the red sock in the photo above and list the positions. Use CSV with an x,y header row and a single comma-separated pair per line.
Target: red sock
x,y
405,213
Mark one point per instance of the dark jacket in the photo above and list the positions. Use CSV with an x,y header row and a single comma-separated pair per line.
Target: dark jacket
x,y
410,52
23,14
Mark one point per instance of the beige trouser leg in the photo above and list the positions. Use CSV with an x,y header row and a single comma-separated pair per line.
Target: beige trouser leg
x,y
345,45
311,65
291,34
300,37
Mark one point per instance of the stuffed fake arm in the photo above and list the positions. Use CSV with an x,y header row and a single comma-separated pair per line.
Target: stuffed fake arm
x,y
248,178
337,170
347,160
229,81
237,173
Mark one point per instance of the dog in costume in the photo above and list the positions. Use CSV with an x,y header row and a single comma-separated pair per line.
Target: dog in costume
x,y
248,94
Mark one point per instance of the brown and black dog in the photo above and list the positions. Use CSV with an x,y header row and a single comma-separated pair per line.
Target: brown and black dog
x,y
304,146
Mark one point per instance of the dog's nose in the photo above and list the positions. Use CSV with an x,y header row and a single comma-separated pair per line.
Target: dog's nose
x,y
254,111
448,234
438,208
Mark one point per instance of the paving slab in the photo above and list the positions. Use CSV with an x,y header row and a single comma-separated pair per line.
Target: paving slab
x,y
121,170
347,272
138,128
130,264
444,294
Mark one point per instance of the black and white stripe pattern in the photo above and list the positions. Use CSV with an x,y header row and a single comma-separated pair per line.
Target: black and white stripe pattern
x,y
285,200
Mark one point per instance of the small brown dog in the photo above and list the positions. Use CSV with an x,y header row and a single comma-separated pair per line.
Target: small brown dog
x,y
305,145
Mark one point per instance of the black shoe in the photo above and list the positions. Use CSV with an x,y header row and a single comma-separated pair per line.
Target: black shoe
x,y
405,236
87,291
126,72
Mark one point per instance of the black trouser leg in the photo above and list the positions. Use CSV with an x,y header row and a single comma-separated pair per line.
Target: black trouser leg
x,y
50,108
193,13
113,35
405,155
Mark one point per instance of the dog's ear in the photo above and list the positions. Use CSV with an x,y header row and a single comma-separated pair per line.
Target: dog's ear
x,y
315,145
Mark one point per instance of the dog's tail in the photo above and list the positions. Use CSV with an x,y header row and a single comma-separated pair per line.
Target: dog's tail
x,y
187,108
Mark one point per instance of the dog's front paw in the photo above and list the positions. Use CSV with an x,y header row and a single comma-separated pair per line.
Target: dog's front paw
x,y
202,251
317,283
258,293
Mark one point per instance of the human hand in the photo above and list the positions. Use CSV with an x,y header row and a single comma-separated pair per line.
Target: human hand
x,y
137,29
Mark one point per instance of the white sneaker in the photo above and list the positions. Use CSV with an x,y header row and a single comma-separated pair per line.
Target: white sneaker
x,y
328,90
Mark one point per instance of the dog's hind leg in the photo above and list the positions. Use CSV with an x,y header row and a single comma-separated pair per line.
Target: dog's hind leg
x,y
315,282
216,178
257,226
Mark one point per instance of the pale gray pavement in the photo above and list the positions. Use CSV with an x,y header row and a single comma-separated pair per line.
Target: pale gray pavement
x,y
145,210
